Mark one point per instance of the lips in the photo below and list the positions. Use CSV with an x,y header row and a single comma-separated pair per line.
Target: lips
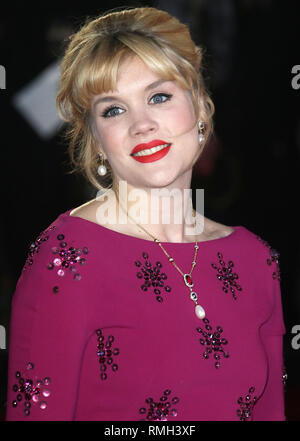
x,y
151,151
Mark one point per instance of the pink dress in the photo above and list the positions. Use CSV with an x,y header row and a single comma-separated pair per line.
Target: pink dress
x,y
103,328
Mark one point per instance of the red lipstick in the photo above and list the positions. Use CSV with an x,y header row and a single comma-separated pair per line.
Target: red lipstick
x,y
163,149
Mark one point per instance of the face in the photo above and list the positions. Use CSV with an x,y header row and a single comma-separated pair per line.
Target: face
x,y
146,129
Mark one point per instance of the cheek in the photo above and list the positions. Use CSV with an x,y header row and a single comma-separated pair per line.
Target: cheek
x,y
109,139
184,128
183,119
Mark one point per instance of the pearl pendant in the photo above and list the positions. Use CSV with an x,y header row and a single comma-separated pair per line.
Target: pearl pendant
x,y
201,138
102,170
199,311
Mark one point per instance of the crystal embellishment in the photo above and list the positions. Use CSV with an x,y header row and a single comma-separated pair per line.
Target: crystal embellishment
x,y
273,258
160,410
227,276
31,391
67,260
213,342
245,412
106,354
35,245
154,277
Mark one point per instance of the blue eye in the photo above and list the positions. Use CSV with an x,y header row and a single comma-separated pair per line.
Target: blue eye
x,y
159,98
111,112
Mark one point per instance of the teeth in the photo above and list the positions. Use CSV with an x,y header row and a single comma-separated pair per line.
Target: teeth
x,y
151,151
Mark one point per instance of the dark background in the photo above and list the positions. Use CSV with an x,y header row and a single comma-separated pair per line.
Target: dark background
x,y
250,169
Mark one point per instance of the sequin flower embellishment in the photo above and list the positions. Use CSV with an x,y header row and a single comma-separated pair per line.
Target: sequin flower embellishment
x,y
213,342
273,258
31,391
246,405
34,247
160,410
67,259
227,276
154,277
106,354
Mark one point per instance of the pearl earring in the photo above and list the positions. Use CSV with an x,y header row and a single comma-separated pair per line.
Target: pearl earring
x,y
102,170
201,128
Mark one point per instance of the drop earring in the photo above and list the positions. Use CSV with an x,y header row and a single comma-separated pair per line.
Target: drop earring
x,y
102,170
201,128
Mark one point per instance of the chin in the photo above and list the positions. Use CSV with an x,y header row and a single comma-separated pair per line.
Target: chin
x,y
162,180
159,177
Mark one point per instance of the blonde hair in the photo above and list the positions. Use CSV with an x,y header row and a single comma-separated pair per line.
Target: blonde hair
x,y
90,66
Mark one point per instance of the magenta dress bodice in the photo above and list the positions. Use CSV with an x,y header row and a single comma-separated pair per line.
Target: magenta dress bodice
x,y
102,328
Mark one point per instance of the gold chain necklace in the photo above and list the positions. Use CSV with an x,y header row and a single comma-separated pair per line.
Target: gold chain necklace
x,y
187,277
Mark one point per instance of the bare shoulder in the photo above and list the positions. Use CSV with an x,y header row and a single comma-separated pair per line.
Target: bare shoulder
x,y
86,211
89,212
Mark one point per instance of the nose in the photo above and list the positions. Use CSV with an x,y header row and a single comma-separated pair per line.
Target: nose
x,y
142,124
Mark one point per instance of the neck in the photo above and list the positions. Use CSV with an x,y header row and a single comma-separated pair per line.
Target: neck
x,y
162,213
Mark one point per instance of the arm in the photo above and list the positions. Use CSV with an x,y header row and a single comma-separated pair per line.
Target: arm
x,y
47,337
270,406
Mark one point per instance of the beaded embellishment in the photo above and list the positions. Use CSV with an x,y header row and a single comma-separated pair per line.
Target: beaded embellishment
x,y
34,246
213,342
226,275
273,258
246,405
153,276
66,260
31,391
160,410
106,354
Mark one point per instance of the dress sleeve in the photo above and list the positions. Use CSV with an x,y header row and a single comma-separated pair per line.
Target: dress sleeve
x,y
47,335
270,406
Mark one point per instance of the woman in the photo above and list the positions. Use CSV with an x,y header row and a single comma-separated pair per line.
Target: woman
x,y
119,314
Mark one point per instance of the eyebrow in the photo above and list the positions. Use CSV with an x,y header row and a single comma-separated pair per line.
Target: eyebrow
x,y
110,98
